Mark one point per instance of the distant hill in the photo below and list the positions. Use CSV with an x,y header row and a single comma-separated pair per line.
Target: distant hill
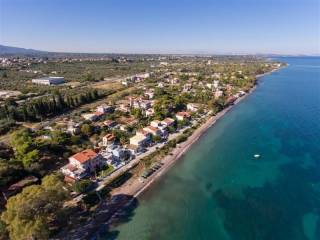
x,y
7,50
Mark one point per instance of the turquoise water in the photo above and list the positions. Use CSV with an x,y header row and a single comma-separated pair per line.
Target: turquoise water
x,y
218,190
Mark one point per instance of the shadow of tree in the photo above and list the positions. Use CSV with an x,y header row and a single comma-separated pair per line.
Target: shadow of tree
x,y
119,209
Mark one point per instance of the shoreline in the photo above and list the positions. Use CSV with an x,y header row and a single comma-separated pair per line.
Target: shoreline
x,y
184,146
177,153
134,187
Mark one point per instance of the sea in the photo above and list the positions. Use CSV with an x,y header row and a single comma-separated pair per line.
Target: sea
x,y
219,190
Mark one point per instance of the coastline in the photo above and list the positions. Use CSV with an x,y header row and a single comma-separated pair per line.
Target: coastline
x,y
179,151
136,188
107,214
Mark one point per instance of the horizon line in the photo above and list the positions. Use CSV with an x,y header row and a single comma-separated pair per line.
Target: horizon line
x,y
182,52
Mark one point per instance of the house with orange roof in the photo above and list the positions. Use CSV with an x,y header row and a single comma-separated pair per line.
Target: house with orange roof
x,y
110,123
183,116
108,139
143,133
153,130
82,163
167,122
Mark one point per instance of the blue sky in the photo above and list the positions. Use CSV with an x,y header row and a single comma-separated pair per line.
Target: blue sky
x,y
163,26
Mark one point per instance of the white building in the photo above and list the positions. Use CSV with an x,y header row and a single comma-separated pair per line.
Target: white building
x,y
149,112
167,122
81,164
90,116
215,84
153,130
139,140
193,107
182,116
49,80
104,108
149,94
155,123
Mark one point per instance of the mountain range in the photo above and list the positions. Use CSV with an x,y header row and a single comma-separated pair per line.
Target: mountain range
x,y
8,50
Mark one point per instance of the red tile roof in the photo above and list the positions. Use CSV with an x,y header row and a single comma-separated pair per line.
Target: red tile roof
x,y
183,114
84,156
143,132
153,129
168,120
98,114
109,122
110,137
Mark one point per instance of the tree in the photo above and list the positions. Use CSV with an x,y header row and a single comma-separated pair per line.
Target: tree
x,y
137,113
82,186
87,129
30,157
34,212
25,147
10,172
3,231
59,137
156,138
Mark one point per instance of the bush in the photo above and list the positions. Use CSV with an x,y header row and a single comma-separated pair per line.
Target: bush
x,y
82,186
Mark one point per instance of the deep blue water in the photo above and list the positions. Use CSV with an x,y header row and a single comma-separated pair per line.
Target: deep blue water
x,y
218,190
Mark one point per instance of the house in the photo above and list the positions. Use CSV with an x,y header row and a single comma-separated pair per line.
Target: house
x,y
143,133
90,116
153,130
119,154
81,164
87,159
149,94
187,87
160,85
125,82
134,149
182,116
108,139
167,122
155,123
174,81
98,114
215,84
163,63
104,108
139,140
73,128
110,123
193,107
209,85
216,75
73,173
149,112
145,104
124,107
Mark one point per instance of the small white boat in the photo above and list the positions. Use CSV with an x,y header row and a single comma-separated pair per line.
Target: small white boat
x,y
256,155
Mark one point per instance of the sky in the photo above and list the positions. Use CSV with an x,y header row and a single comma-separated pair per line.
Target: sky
x,y
163,26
